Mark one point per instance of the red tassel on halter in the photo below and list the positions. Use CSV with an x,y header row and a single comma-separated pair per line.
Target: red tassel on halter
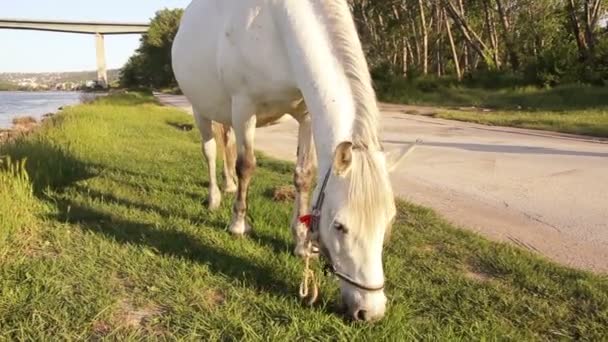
x,y
306,220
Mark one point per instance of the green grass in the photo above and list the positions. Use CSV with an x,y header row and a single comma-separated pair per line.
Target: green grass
x,y
17,205
116,244
583,122
576,109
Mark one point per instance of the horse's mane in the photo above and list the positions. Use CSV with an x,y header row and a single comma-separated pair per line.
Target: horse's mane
x,y
370,193
347,47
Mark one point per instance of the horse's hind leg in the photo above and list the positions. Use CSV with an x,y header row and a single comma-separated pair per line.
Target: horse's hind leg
x,y
205,127
244,123
230,154
302,180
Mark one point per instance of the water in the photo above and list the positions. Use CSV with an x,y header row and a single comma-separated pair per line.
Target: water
x,y
15,104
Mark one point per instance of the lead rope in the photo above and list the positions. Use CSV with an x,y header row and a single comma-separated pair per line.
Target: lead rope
x,y
309,287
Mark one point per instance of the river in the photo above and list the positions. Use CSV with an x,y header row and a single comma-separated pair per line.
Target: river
x,y
16,103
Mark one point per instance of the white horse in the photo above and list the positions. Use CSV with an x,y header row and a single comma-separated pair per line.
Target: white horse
x,y
244,64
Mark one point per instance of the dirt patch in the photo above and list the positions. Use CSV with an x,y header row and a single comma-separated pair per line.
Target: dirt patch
x,y
37,249
428,248
101,328
129,316
134,317
5,134
284,193
473,109
24,121
25,242
11,134
21,125
214,297
475,274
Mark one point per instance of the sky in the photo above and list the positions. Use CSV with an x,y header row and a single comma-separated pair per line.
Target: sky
x,y
37,51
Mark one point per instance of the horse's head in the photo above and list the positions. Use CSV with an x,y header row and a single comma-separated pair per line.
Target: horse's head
x,y
356,212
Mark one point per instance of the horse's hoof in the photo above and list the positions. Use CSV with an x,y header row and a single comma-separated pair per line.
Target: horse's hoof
x,y
239,228
214,206
230,189
215,199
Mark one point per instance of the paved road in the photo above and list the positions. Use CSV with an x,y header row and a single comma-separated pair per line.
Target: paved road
x,y
547,192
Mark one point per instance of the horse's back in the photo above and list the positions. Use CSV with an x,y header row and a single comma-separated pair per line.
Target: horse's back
x,y
194,53
227,48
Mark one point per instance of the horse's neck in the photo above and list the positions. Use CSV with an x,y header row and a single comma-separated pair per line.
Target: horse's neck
x,y
319,74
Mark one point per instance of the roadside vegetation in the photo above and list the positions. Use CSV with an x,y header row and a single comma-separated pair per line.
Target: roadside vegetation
x,y
577,108
104,234
513,97
540,64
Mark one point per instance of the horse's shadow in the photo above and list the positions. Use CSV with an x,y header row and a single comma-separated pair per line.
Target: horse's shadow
x,y
49,167
186,127
176,244
271,242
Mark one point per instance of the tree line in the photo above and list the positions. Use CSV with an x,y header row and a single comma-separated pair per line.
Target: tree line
x,y
150,66
545,42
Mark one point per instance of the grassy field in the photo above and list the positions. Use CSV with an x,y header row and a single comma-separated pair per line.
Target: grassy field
x,y
576,109
107,237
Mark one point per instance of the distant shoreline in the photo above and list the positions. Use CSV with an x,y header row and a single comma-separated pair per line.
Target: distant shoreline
x,y
18,104
54,90
40,91
23,125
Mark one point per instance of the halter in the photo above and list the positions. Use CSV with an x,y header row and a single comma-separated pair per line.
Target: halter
x,y
312,221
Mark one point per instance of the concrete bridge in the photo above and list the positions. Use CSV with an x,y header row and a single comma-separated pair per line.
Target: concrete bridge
x,y
98,29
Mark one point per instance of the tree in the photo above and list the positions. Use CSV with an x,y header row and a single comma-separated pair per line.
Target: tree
x,y
545,41
589,14
150,66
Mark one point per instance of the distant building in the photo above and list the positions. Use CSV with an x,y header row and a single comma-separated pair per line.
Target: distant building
x,y
90,84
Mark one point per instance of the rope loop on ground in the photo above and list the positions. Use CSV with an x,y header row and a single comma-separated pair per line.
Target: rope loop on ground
x,y
309,287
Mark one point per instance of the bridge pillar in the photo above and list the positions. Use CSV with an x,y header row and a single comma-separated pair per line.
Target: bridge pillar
x,y
102,72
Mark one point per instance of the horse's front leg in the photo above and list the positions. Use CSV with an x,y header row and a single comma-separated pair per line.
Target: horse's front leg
x,y
302,180
244,124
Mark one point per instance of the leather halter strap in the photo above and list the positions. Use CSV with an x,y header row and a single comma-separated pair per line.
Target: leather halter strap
x,y
346,278
313,223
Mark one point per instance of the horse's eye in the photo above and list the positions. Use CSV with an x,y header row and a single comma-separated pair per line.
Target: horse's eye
x,y
340,227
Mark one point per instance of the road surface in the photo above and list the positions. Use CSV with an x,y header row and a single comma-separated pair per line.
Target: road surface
x,y
547,192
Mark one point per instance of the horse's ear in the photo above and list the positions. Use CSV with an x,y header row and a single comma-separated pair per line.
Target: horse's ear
x,y
394,158
343,157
